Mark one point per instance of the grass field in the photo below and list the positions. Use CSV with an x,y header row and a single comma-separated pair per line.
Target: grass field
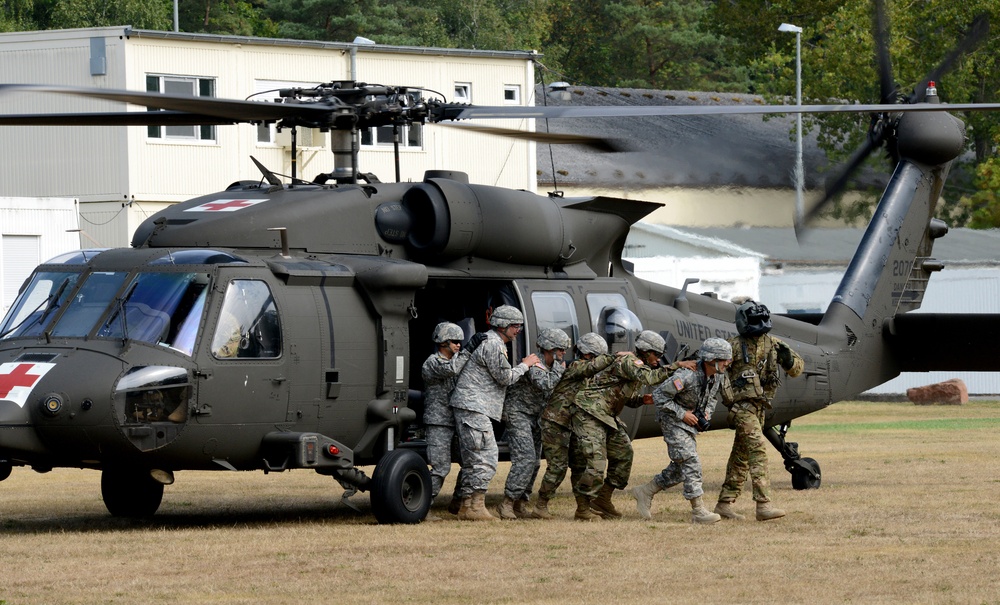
x,y
907,513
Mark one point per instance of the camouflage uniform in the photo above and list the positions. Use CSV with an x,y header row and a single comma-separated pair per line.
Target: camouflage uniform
x,y
440,374
754,377
603,439
478,399
522,407
685,391
556,419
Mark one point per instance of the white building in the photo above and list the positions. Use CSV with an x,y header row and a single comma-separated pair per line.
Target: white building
x,y
32,230
123,174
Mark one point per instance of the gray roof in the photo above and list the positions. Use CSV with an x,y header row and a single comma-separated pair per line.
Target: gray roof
x,y
689,151
836,246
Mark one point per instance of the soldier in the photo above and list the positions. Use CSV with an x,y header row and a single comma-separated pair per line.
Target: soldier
x,y
684,405
440,372
524,403
602,437
478,399
592,357
755,379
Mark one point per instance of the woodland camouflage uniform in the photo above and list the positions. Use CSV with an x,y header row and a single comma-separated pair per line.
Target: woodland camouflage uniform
x,y
601,435
755,377
556,419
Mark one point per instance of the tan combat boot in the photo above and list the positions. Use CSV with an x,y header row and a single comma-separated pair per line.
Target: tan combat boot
x,y
700,514
541,510
477,509
583,512
725,510
506,508
766,512
521,509
602,504
643,495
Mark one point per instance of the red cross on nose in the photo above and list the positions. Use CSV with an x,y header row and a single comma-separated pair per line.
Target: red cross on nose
x,y
223,205
18,377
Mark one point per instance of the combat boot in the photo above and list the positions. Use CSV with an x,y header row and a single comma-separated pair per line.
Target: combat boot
x,y
541,510
766,512
700,514
521,509
602,504
477,509
583,512
643,495
455,505
725,510
506,508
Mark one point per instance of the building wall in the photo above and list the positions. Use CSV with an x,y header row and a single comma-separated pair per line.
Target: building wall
x,y
32,231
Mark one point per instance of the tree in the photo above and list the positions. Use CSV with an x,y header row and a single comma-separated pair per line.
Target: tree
x,y
146,14
233,17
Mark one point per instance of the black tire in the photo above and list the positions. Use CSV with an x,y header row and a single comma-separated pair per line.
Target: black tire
x,y
802,479
401,488
130,493
5,469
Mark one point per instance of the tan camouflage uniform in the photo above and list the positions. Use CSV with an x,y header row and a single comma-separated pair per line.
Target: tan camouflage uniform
x,y
754,378
476,401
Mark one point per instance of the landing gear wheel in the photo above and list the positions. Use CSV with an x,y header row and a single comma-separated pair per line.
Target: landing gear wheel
x,y
401,488
803,479
5,469
131,493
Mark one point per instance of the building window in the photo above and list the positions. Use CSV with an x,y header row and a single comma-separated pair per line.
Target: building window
x,y
181,85
463,92
512,94
411,136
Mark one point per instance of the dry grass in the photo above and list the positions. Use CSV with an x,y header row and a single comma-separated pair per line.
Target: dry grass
x,y
907,513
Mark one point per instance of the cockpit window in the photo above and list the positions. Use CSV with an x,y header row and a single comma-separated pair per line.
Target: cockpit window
x,y
248,324
37,306
88,304
159,308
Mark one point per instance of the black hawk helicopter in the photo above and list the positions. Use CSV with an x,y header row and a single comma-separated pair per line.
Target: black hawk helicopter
x,y
281,325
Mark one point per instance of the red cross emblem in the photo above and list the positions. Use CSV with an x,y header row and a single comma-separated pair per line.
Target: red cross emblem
x,y
18,379
224,205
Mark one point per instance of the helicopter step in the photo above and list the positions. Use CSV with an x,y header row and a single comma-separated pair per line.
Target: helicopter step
x,y
284,450
805,471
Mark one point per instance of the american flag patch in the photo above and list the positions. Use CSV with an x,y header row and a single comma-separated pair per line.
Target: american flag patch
x,y
678,384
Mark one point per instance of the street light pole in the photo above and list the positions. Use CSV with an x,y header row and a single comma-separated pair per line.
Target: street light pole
x,y
799,170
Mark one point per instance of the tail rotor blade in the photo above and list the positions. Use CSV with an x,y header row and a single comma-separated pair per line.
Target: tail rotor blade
x,y
977,32
887,84
835,187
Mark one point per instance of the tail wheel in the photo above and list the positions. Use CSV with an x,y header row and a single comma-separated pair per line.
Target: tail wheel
x,y
401,488
131,493
802,478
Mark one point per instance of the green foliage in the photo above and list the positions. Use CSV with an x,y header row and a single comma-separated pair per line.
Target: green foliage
x,y
146,14
233,17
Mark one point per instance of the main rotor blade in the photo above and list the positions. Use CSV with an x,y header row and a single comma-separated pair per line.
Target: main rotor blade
x,y
834,188
887,85
978,30
121,118
552,138
234,110
521,112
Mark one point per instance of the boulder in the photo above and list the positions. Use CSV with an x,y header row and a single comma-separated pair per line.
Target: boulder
x,y
949,392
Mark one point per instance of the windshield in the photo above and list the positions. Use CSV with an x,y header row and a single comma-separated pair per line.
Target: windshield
x,y
35,308
159,308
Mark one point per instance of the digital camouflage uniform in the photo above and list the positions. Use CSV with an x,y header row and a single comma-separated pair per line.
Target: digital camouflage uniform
x,y
754,378
685,391
555,421
478,399
440,374
521,410
602,437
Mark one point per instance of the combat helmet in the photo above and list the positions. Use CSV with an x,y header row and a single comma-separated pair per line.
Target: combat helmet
x,y
592,343
715,348
446,331
649,340
506,315
752,319
551,338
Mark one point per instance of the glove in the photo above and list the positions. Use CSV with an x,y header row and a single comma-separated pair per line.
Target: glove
x,y
785,356
474,342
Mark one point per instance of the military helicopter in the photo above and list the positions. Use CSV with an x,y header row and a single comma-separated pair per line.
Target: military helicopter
x,y
281,325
